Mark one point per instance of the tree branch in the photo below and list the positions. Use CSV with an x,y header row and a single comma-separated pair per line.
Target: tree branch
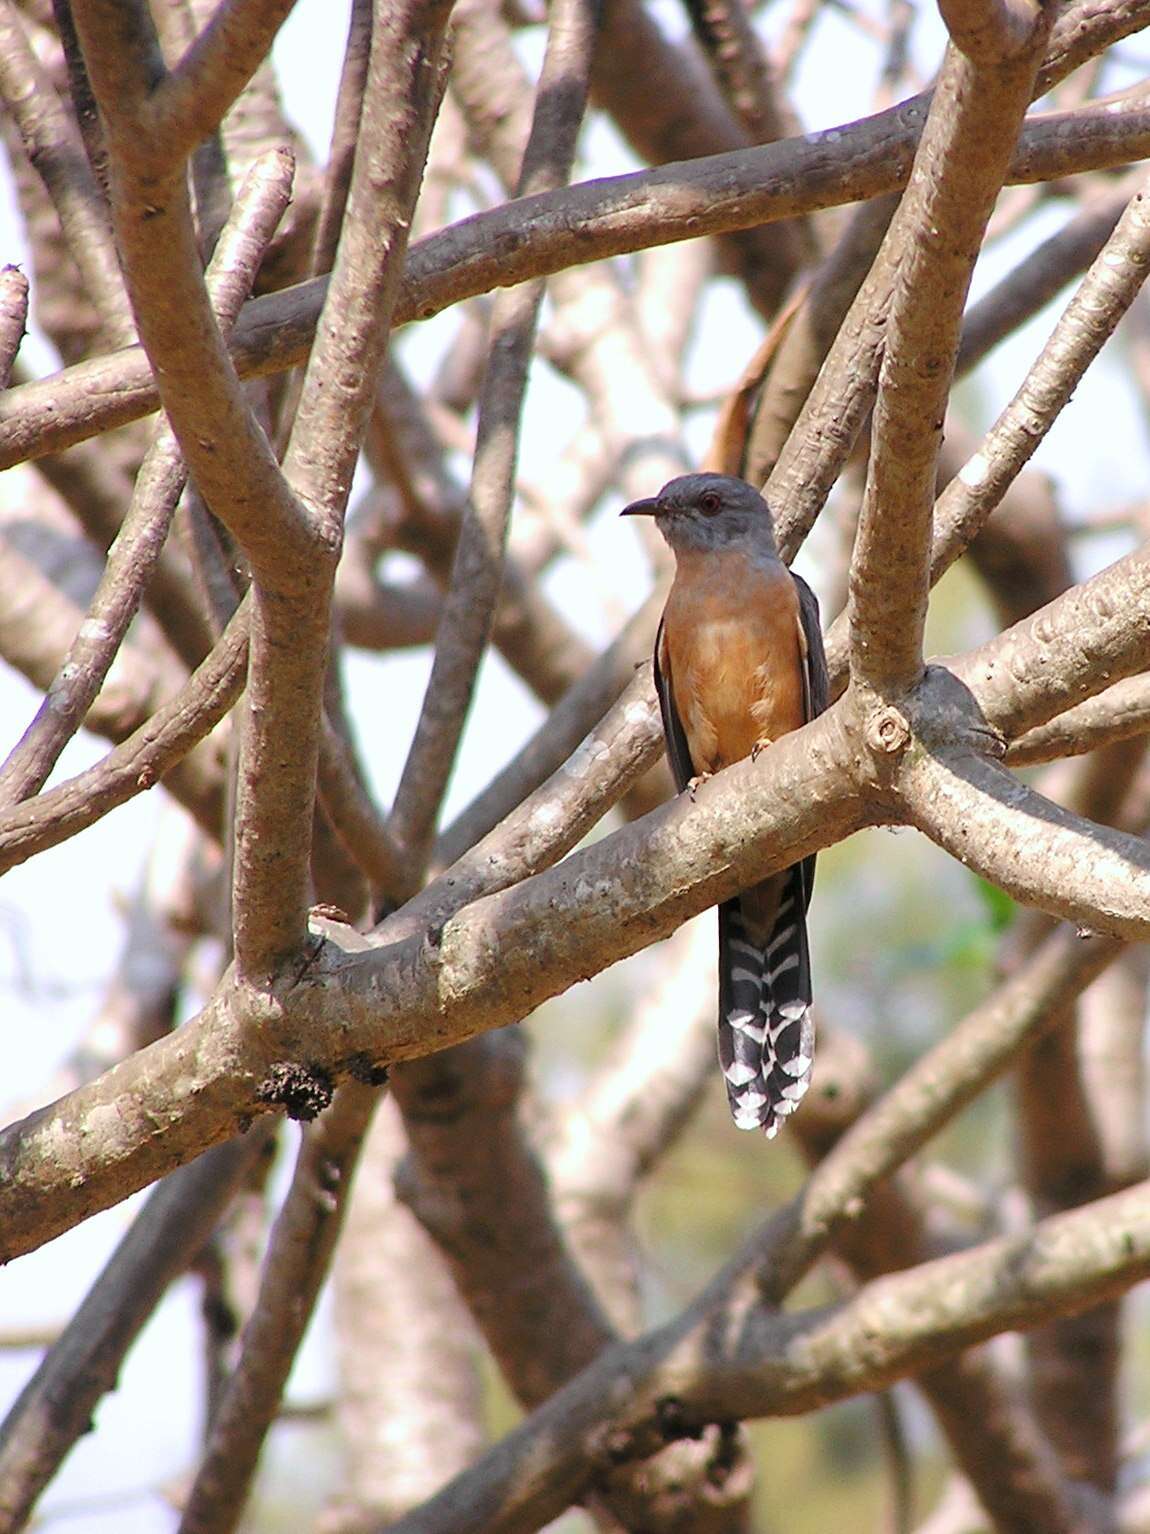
x,y
1119,713
982,815
586,222
1091,636
1109,288
490,964
960,167
469,608
56,153
188,104
721,1360
55,1408
154,751
226,452
13,318
298,1256
135,551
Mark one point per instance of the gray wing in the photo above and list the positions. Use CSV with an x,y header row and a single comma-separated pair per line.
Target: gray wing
x,y
678,751
816,689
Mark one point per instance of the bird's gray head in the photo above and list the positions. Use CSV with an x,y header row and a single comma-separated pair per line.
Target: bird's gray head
x,y
708,511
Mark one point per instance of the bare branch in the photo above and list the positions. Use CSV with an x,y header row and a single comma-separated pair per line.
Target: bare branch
x,y
1040,277
719,1360
490,964
1119,713
13,318
585,703
56,152
587,222
159,484
477,1187
1075,869
469,608
351,335
553,818
801,353
299,1253
960,167
190,101
56,1406
1089,637
156,750
1108,290
410,1400
679,115
970,498
989,31
635,1107
366,835
344,133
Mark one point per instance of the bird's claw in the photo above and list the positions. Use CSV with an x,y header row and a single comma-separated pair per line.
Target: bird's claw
x,y
760,746
695,783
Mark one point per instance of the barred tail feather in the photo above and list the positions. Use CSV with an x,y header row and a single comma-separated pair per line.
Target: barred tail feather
x,y
766,1030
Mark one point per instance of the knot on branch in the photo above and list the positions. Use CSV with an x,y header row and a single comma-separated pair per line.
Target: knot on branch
x,y
303,1091
887,731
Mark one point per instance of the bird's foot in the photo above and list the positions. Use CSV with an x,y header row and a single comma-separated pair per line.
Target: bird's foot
x,y
760,746
695,783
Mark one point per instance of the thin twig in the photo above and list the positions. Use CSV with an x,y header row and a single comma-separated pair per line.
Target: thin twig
x,y
141,761
136,548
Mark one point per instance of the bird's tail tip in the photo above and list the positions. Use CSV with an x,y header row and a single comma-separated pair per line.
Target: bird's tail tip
x,y
766,1092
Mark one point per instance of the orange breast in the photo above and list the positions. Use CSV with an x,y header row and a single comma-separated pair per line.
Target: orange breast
x,y
732,654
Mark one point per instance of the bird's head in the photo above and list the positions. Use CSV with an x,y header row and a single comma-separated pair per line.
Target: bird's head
x,y
708,511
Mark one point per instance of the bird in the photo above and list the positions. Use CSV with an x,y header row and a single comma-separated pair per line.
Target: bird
x,y
739,661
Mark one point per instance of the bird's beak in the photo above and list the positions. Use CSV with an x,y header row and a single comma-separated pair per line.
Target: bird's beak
x,y
647,508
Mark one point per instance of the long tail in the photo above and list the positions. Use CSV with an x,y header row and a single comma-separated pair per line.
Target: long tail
x,y
766,1030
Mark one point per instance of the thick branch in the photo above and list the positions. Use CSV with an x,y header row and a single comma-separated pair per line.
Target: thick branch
x,y
1032,848
1093,635
490,964
298,1256
291,621
223,446
936,235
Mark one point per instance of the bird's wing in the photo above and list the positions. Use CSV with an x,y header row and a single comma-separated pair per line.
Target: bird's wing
x,y
816,682
816,688
678,751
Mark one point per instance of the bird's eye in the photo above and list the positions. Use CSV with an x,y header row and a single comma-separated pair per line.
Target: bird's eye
x,y
709,502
